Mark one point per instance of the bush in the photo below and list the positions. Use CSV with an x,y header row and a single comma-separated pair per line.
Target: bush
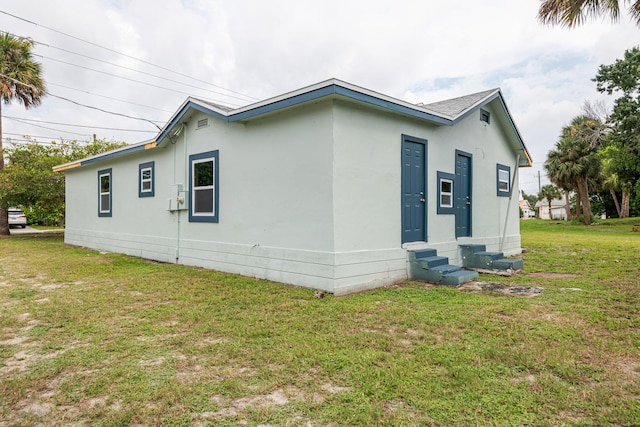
x,y
38,215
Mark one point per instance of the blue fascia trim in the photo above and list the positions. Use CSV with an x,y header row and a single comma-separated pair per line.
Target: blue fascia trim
x,y
189,105
112,155
515,130
336,89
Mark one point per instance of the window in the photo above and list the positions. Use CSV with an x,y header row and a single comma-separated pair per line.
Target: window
x,y
485,116
145,179
203,178
445,192
104,192
503,180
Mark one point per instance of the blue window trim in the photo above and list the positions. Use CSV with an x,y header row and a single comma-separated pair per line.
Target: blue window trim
x,y
485,116
110,175
151,192
499,192
216,193
451,177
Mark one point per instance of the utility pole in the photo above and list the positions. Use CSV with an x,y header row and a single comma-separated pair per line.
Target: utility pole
x,y
539,187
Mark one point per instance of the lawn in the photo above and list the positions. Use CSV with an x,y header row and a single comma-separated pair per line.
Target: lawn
x,y
88,338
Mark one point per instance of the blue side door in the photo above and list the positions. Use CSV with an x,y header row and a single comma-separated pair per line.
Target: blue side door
x,y
414,164
462,194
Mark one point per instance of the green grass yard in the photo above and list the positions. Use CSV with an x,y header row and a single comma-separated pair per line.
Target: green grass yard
x,y
103,339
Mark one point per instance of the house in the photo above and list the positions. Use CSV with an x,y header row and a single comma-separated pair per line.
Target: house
x,y
329,186
558,209
525,207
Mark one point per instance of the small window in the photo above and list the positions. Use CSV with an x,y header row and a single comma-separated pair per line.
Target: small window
x,y
146,179
445,192
503,180
485,116
203,177
104,192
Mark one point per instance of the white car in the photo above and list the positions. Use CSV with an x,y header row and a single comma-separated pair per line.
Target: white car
x,y
17,218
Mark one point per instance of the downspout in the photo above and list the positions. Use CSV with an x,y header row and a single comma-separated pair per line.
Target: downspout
x,y
506,218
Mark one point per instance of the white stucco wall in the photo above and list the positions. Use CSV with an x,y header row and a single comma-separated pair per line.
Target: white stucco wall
x,y
310,196
275,204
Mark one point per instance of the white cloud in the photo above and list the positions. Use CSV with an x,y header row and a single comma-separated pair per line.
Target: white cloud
x,y
418,51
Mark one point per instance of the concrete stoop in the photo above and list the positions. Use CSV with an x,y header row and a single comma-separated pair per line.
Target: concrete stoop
x,y
426,265
476,256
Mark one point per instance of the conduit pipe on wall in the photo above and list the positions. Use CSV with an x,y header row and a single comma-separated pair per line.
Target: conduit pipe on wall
x,y
506,218
178,210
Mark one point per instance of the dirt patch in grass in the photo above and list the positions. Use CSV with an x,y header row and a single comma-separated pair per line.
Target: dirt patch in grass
x,y
527,291
231,407
550,275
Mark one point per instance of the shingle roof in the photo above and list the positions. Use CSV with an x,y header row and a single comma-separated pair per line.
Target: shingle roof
x,y
443,113
214,105
456,106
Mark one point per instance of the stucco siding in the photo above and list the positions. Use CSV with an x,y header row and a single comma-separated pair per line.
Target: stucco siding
x,y
308,195
367,180
275,200
275,180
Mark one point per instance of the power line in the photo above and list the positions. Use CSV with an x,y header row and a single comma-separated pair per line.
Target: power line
x,y
123,54
30,136
80,126
45,127
25,138
81,104
103,110
109,97
115,75
138,71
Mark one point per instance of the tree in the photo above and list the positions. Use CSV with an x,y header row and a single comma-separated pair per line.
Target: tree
x,y
549,192
20,79
571,13
622,153
574,161
615,161
29,181
531,198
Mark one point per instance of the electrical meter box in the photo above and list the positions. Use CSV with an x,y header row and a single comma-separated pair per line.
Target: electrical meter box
x,y
178,198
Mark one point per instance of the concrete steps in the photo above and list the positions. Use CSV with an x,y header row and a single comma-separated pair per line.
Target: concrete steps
x,y
476,256
426,265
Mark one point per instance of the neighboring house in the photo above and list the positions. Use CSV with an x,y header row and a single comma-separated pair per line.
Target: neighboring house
x,y
525,207
558,209
324,187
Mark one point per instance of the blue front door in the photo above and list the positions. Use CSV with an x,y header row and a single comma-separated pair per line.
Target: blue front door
x,y
414,163
462,194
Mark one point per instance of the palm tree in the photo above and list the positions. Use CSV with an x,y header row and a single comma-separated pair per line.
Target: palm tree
x,y
572,13
574,161
549,192
20,79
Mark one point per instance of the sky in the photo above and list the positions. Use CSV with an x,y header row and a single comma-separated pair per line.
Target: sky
x,y
143,58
